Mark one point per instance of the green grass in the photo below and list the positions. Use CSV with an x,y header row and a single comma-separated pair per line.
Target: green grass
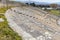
x,y
55,12
6,33
4,9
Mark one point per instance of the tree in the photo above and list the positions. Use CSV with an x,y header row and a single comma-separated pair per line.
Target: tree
x,y
27,3
33,4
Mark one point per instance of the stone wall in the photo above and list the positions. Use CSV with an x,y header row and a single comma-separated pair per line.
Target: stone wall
x,y
10,3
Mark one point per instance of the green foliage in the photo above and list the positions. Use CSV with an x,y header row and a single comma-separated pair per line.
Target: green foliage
x,y
6,33
4,9
54,12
